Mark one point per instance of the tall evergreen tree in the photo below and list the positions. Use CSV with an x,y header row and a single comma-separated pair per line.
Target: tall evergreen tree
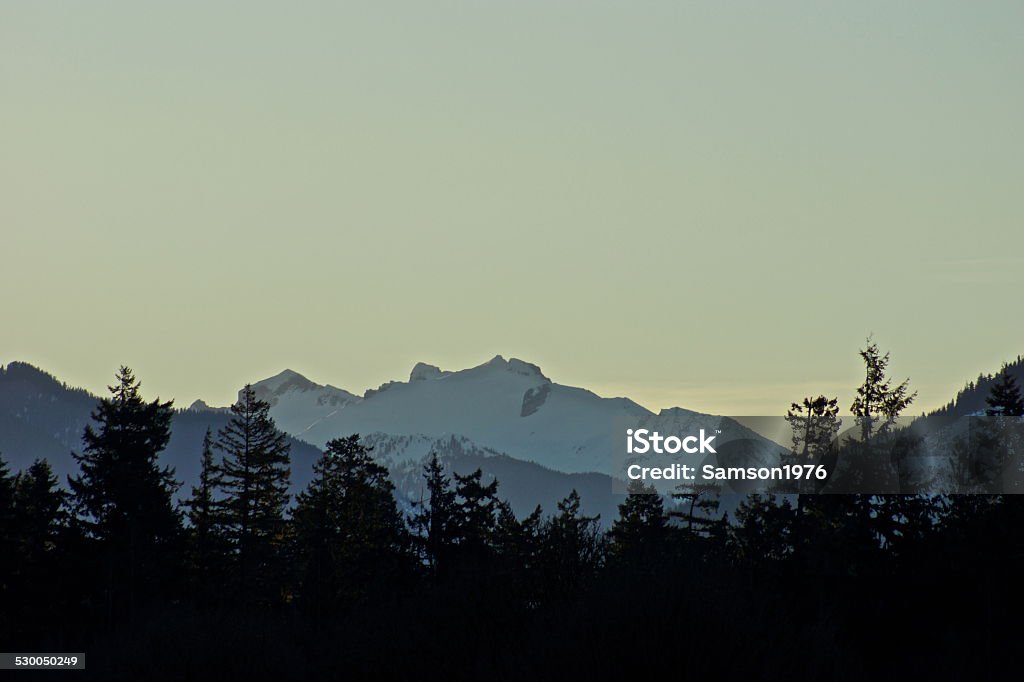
x,y
517,545
123,497
6,494
8,559
573,547
814,423
317,533
436,520
39,522
349,530
998,439
476,512
473,528
641,528
1004,399
38,518
517,541
206,546
252,480
879,469
878,403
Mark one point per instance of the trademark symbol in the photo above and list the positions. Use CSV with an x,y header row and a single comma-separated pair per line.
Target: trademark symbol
x,y
718,431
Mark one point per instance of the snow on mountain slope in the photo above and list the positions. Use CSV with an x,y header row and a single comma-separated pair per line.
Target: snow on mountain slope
x,y
523,484
298,404
506,406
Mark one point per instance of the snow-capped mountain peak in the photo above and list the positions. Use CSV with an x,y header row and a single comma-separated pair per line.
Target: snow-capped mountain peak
x,y
290,381
297,403
505,406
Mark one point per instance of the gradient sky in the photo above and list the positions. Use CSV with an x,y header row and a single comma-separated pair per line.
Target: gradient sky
x,y
697,204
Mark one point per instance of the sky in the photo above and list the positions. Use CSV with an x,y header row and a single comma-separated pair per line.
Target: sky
x,y
702,204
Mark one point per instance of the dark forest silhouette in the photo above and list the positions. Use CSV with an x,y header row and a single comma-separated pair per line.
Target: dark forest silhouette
x,y
241,582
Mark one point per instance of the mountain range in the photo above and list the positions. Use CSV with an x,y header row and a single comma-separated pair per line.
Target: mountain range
x,y
540,439
508,406
41,417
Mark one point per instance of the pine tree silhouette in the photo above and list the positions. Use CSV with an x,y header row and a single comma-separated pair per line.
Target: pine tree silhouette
x,y
8,556
38,511
252,480
122,497
878,403
573,547
436,520
518,545
206,545
814,423
476,508
39,523
348,528
637,535
1004,399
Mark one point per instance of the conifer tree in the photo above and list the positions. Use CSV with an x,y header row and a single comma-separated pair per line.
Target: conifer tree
x,y
517,541
998,438
763,531
476,509
573,547
814,423
316,533
700,502
878,403
6,494
252,481
33,528
38,503
123,496
641,527
350,532
7,533
436,521
876,408
38,524
518,546
472,527
206,547
1004,399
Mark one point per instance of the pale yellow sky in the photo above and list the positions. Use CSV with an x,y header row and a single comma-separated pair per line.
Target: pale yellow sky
x,y
704,204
